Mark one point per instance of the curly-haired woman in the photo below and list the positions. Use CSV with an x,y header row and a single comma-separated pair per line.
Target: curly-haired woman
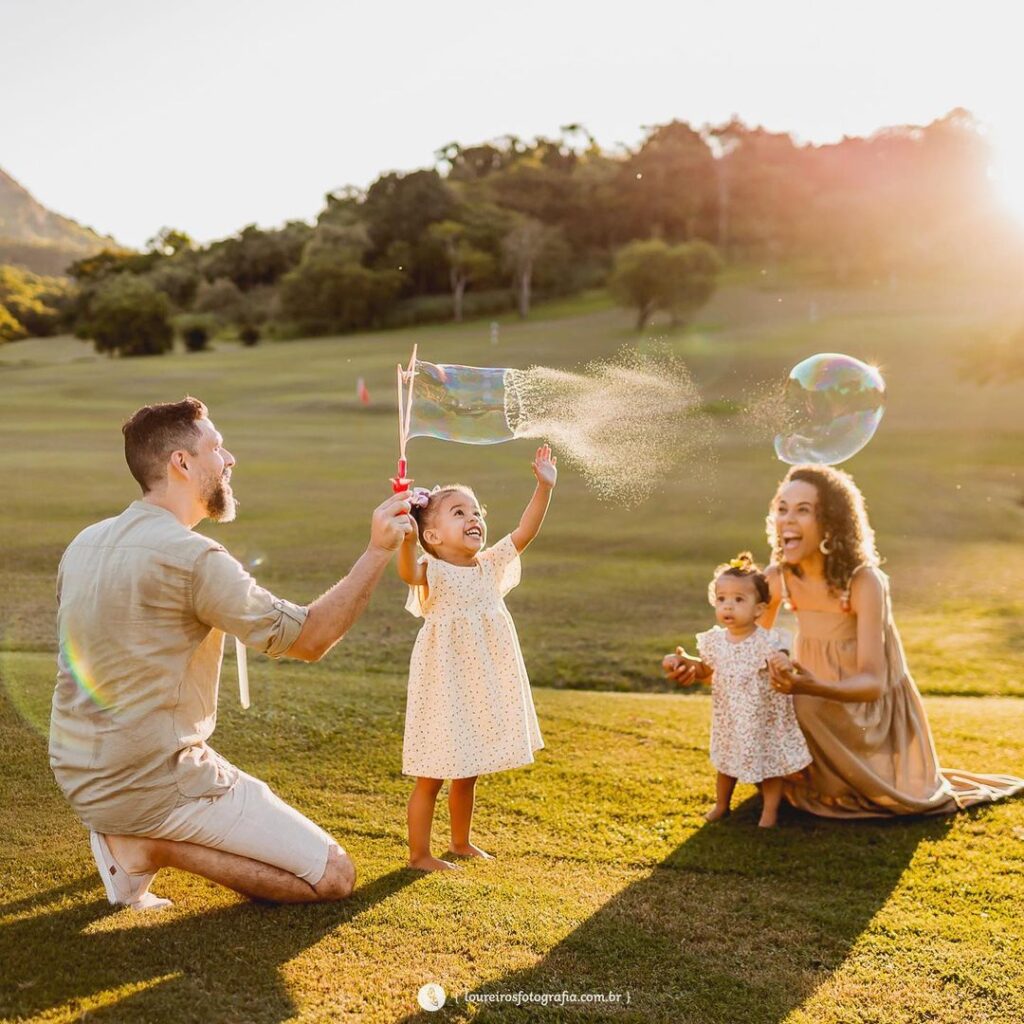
x,y
859,709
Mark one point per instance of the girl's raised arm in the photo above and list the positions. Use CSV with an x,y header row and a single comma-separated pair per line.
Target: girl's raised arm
x,y
545,469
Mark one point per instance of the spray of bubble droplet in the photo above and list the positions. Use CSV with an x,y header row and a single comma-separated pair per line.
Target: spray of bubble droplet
x,y
625,423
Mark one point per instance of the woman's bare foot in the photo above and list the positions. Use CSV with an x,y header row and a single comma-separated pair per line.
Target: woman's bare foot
x,y
469,850
429,863
717,813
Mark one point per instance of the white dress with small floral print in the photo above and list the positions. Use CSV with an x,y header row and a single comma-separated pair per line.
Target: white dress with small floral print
x,y
469,709
754,731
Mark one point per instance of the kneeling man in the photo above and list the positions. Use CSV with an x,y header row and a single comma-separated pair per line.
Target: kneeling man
x,y
144,606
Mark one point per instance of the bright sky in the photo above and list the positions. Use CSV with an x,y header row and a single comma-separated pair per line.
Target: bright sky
x,y
207,115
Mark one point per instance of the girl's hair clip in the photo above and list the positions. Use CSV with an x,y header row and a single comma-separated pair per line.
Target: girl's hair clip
x,y
739,563
420,497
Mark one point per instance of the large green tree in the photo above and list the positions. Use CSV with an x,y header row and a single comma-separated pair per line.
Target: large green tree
x,y
129,317
399,208
761,192
652,275
691,277
255,256
330,292
670,184
466,262
523,248
33,304
11,328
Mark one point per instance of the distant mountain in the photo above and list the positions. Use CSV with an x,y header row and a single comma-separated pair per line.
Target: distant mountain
x,y
34,237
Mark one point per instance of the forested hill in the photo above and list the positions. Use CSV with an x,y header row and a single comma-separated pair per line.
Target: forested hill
x,y
497,225
37,238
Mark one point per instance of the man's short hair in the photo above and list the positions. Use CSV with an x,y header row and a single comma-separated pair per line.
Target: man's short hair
x,y
154,432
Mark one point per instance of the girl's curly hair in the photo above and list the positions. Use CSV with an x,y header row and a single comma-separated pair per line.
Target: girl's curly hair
x,y
743,567
843,517
424,514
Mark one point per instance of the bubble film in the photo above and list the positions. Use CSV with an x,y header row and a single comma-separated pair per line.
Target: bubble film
x,y
471,404
832,406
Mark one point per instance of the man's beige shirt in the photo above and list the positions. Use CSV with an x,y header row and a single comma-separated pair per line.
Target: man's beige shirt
x,y
143,607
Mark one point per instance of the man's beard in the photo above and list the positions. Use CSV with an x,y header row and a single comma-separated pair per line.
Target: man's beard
x,y
220,501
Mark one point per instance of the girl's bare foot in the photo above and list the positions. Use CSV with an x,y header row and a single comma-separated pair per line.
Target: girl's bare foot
x,y
768,820
429,863
717,813
469,850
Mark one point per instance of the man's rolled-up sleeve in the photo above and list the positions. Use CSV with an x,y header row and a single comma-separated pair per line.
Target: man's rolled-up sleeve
x,y
226,597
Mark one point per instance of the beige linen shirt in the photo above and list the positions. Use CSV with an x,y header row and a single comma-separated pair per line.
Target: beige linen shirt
x,y
143,606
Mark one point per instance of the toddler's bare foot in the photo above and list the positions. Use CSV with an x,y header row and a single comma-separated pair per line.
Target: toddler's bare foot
x,y
717,813
429,863
469,850
768,820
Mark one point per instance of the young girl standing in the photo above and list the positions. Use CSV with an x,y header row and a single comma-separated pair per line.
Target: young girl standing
x,y
754,732
469,710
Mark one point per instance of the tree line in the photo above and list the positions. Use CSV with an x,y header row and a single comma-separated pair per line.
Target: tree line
x,y
490,227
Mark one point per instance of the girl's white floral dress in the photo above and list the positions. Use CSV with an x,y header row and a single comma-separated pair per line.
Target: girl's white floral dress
x,y
469,709
754,731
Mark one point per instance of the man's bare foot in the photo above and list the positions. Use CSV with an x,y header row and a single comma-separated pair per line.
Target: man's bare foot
x,y
469,850
429,863
717,813
768,820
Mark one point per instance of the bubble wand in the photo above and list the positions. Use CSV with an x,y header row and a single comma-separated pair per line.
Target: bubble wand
x,y
406,379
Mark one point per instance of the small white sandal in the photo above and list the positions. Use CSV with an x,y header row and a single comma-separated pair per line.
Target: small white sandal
x,y
123,889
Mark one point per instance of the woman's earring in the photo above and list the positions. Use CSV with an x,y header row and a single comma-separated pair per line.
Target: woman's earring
x,y
823,546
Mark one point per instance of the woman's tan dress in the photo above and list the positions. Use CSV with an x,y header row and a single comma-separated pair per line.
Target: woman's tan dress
x,y
872,759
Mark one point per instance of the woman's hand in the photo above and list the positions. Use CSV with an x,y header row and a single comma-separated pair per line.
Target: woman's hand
x,y
791,678
545,467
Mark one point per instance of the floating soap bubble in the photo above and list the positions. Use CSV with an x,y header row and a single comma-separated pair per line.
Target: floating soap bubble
x,y
471,404
832,406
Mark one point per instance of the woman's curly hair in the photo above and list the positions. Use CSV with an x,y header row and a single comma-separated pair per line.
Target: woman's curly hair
x,y
843,517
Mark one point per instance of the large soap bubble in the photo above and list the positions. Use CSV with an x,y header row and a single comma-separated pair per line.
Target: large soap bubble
x,y
833,404
471,404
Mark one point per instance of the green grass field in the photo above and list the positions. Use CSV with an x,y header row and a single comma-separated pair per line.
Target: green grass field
x,y
606,881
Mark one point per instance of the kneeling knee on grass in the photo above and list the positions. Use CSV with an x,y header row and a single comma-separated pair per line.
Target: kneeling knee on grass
x,y
339,878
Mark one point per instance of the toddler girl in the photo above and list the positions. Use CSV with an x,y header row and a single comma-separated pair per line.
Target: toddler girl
x,y
469,708
754,732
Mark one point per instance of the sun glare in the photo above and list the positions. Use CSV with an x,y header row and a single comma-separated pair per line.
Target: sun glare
x,y
1007,170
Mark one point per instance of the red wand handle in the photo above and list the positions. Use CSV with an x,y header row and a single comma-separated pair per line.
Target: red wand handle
x,y
400,482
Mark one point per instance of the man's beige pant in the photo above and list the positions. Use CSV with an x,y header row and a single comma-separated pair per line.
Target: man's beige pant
x,y
252,821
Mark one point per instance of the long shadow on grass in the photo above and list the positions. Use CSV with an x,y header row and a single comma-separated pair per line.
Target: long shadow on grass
x,y
18,906
219,966
735,926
